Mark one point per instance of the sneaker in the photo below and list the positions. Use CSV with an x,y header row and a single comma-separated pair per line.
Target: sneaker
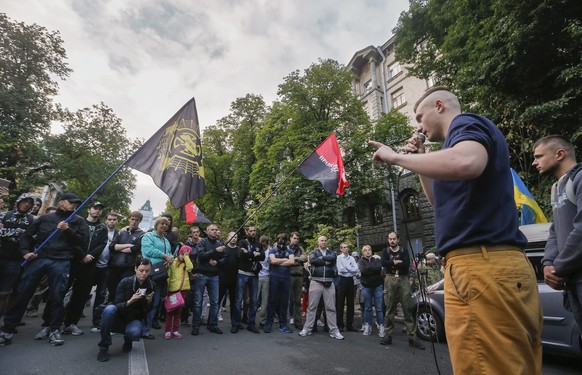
x,y
177,334
268,328
73,330
320,323
367,330
6,338
43,334
382,331
220,318
96,329
32,313
337,336
55,339
127,346
103,355
304,333
168,335
285,329
291,321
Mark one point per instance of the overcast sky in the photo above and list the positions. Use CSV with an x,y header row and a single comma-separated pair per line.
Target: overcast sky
x,y
146,58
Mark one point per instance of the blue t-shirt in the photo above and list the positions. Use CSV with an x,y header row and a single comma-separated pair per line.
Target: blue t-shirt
x,y
481,210
276,270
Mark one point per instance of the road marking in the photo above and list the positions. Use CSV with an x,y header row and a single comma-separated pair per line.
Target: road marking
x,y
138,363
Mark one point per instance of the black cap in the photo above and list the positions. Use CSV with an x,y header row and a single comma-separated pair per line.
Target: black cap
x,y
97,204
71,198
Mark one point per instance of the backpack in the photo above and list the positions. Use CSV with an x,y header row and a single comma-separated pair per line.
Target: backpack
x,y
569,184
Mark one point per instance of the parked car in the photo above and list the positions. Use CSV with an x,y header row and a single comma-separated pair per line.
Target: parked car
x,y
559,334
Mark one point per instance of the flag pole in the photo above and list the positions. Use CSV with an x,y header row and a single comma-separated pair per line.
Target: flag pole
x,y
273,192
76,210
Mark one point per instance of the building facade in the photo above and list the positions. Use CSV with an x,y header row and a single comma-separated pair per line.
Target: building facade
x,y
382,84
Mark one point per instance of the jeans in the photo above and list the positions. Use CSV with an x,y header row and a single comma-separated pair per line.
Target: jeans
x,y
373,296
278,299
253,284
160,288
211,284
57,271
111,322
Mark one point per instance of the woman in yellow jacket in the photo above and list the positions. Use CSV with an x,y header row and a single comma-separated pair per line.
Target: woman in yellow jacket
x,y
178,280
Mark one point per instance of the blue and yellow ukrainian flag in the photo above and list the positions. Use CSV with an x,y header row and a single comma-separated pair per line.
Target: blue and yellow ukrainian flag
x,y
531,213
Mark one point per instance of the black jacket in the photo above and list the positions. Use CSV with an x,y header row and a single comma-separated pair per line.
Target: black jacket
x,y
125,290
249,261
14,224
206,250
95,238
388,258
63,245
370,271
323,267
125,260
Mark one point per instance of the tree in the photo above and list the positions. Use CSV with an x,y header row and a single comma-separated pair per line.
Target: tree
x,y
229,156
91,147
517,62
31,59
311,106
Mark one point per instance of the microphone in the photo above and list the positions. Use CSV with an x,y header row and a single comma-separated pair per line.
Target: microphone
x,y
421,138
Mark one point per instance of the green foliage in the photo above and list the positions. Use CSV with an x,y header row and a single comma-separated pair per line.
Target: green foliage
x,y
334,237
91,147
517,62
31,59
228,159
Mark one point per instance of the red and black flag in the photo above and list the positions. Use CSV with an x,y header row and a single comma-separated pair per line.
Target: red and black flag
x,y
326,165
192,214
173,157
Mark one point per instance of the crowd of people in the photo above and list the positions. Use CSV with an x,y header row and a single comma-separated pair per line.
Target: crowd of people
x,y
141,278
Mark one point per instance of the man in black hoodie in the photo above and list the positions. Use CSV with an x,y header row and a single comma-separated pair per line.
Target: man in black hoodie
x,y
13,224
53,259
83,271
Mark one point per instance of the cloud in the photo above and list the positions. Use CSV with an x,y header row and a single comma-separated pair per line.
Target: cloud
x,y
146,58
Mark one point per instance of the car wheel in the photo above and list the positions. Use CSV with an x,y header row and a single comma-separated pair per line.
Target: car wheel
x,y
429,326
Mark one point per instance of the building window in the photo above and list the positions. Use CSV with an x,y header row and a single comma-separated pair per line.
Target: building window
x,y
368,87
411,206
398,99
394,69
376,213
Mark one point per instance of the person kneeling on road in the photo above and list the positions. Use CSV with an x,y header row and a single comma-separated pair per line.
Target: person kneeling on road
x,y
127,314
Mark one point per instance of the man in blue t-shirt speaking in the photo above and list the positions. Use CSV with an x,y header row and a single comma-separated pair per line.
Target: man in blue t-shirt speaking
x,y
494,318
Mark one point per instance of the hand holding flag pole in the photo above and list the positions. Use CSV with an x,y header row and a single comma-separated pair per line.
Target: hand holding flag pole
x,y
172,157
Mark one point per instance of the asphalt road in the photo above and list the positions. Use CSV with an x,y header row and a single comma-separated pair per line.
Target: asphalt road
x,y
242,353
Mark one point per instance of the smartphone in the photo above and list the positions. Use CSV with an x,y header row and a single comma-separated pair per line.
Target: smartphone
x,y
5,183
143,292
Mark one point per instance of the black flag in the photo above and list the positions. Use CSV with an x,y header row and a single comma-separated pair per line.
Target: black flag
x,y
326,165
173,157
